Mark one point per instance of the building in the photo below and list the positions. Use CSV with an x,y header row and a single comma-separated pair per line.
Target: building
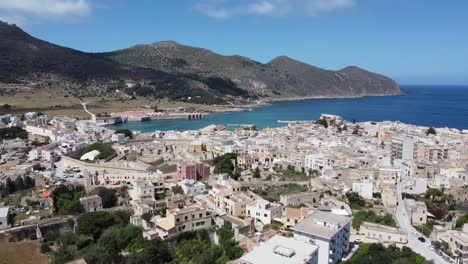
x,y
365,189
457,242
389,195
282,250
91,203
416,211
192,187
328,231
5,218
295,215
383,234
415,185
193,171
142,189
263,211
403,148
178,220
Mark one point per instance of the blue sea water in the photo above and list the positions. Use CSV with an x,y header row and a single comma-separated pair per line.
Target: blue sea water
x,y
438,106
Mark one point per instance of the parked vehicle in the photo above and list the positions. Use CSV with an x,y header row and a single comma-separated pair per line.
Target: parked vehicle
x,y
422,239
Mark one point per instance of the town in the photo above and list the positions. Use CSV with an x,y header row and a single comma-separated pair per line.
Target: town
x,y
325,191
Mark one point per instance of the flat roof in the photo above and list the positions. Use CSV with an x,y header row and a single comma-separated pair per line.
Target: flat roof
x,y
280,250
4,211
313,224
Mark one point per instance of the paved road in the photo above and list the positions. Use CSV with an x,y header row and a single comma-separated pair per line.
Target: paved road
x,y
413,242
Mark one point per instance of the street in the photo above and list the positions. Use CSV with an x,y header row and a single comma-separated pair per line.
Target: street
x,y
413,242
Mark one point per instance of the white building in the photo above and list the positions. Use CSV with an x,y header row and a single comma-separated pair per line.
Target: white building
x,y
4,215
120,138
403,148
142,189
263,211
330,232
415,185
282,250
192,187
365,189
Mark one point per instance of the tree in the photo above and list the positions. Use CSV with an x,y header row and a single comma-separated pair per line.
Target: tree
x,y
108,196
29,182
225,164
177,189
19,182
10,186
154,252
94,223
256,173
431,131
12,133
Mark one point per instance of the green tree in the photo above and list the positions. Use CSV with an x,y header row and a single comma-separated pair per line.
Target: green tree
x,y
94,223
108,196
256,173
431,131
154,252
177,189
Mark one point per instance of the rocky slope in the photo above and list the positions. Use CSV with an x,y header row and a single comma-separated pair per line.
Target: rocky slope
x,y
282,76
168,69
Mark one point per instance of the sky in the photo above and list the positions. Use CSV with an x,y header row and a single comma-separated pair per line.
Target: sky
x,y
411,41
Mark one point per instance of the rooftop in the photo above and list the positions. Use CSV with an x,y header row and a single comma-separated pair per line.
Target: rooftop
x,y
4,211
280,250
322,224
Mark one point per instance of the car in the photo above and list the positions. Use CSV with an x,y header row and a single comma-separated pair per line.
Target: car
x,y
415,234
431,248
422,239
357,240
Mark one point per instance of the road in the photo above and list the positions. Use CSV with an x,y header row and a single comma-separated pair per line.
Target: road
x,y
85,108
413,242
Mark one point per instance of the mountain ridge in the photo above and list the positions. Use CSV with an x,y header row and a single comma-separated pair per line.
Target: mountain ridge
x,y
167,69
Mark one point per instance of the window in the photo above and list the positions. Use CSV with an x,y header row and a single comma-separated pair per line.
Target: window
x,y
186,218
177,220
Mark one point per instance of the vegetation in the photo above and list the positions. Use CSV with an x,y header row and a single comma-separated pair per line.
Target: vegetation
x,y
19,184
106,151
12,133
378,254
461,221
426,229
102,237
272,193
431,131
437,201
127,132
224,164
355,201
371,216
290,174
67,199
177,189
108,196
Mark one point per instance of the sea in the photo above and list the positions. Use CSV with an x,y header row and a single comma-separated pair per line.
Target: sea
x,y
437,106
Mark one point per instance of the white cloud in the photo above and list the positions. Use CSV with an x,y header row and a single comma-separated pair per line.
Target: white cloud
x,y
230,8
47,9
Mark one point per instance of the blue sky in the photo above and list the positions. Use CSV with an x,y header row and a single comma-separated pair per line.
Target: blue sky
x,y
412,41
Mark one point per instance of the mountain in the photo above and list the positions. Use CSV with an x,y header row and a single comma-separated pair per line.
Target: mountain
x,y
281,76
168,69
